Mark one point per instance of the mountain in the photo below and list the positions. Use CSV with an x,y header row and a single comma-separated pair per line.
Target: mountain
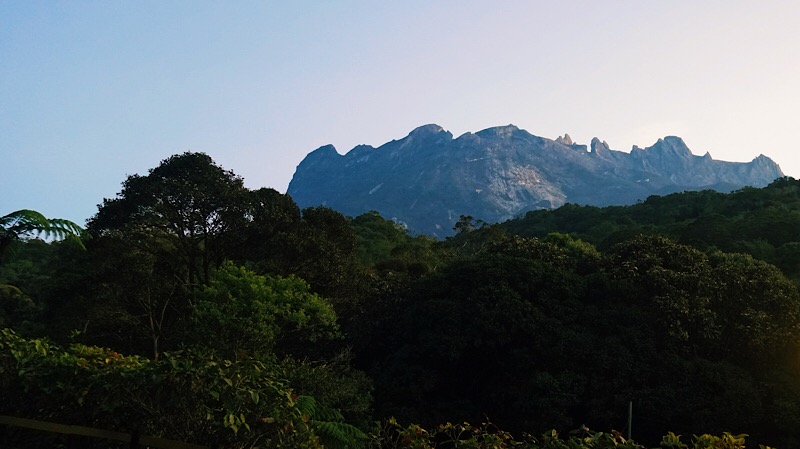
x,y
428,179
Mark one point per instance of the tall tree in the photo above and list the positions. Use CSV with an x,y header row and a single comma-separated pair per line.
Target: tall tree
x,y
188,200
157,242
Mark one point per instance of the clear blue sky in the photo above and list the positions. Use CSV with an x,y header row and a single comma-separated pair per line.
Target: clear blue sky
x,y
92,91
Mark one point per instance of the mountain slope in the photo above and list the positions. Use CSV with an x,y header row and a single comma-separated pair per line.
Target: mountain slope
x,y
428,179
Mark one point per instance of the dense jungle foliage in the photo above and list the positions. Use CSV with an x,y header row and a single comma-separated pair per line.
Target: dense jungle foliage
x,y
196,309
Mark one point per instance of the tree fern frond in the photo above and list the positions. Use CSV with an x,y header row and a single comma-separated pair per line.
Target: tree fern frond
x,y
27,223
22,222
62,225
339,435
60,229
307,405
328,424
325,413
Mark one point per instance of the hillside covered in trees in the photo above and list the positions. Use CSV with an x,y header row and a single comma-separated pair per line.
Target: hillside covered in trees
x,y
200,310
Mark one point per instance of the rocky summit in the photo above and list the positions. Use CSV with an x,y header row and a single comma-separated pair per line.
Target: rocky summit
x,y
428,179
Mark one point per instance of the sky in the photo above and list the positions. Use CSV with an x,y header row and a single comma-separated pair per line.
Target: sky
x,y
92,92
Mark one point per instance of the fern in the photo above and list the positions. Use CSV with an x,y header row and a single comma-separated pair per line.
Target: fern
x,y
339,435
27,223
328,424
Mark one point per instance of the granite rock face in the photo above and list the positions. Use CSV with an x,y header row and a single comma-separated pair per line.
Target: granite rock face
x,y
428,179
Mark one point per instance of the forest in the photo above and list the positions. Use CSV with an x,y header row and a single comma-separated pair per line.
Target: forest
x,y
195,308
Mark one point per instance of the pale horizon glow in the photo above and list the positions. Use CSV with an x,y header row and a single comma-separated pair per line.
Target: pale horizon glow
x,y
91,92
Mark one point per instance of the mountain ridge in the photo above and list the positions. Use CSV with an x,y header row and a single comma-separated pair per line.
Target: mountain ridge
x,y
427,179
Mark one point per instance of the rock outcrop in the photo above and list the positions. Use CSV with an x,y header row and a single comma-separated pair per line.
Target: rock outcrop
x,y
428,179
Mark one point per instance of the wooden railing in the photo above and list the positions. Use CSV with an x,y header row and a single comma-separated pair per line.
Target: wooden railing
x,y
133,439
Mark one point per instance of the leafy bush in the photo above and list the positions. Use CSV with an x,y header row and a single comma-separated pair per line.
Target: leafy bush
x,y
186,396
487,436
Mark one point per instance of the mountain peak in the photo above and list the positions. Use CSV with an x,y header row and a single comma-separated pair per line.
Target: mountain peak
x,y
426,130
599,147
323,152
426,135
674,142
427,179
566,140
766,162
498,131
